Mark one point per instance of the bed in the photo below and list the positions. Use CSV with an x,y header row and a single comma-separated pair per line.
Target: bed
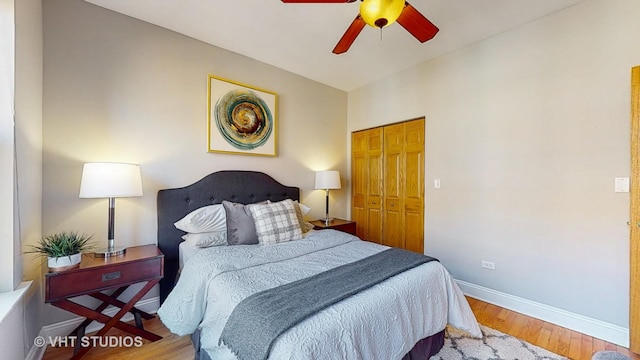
x,y
403,316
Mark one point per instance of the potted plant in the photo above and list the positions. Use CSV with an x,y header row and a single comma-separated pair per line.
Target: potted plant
x,y
63,250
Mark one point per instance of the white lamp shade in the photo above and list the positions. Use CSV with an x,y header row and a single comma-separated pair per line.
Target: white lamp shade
x,y
328,180
103,180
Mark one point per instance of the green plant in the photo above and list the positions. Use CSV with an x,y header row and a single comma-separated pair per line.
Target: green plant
x,y
62,244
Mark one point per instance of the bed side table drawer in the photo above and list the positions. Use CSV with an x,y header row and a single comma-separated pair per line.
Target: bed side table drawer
x,y
68,284
141,263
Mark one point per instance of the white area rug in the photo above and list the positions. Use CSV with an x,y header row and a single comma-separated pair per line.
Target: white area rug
x,y
493,346
609,355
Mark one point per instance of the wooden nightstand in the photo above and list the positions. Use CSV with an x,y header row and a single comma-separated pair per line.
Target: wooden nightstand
x,y
138,264
347,226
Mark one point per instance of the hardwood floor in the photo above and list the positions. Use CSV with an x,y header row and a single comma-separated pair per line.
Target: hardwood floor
x,y
565,342
170,347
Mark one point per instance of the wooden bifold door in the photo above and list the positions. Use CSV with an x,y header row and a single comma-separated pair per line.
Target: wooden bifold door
x,y
387,169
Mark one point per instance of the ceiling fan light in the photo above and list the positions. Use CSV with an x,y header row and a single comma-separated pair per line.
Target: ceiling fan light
x,y
381,13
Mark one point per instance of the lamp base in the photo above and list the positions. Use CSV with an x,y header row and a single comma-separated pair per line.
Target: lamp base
x,y
109,252
327,221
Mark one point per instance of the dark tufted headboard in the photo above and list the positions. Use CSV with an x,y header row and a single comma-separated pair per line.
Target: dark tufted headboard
x,y
243,187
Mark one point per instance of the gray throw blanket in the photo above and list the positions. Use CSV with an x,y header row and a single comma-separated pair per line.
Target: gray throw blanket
x,y
258,320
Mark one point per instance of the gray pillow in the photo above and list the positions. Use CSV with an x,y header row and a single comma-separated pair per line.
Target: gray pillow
x,y
241,230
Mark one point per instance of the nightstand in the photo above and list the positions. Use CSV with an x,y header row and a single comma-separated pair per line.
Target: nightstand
x,y
347,226
94,275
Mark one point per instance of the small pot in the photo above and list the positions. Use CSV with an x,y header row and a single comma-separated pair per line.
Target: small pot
x,y
64,262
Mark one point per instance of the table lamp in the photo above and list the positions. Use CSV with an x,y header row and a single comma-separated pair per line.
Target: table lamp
x,y
110,180
327,180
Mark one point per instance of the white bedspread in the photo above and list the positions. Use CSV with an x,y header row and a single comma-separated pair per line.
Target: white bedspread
x,y
383,322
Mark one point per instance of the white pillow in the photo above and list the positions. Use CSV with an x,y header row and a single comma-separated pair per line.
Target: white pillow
x,y
205,219
304,208
276,222
304,226
202,240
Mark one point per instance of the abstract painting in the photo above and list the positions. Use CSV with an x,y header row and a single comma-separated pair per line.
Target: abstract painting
x,y
241,119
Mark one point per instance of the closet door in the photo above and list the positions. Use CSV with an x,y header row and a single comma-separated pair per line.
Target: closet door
x,y
359,184
366,170
404,185
387,167
393,181
375,181
413,186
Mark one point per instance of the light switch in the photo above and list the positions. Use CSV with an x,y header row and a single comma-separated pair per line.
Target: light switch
x,y
436,183
622,184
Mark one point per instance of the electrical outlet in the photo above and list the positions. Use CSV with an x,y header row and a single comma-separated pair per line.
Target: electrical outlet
x,y
488,265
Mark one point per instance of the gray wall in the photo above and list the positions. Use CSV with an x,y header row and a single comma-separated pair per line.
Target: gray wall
x,y
119,89
526,131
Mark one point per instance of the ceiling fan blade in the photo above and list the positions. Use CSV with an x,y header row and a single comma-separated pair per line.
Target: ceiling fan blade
x,y
415,23
315,1
350,35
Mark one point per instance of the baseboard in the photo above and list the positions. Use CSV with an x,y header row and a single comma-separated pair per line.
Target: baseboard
x,y
599,329
63,328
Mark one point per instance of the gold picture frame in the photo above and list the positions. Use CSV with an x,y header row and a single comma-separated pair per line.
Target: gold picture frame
x,y
241,119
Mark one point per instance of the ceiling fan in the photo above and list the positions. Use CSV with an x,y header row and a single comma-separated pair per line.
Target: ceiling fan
x,y
381,13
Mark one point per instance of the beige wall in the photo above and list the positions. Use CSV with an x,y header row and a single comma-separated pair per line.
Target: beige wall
x,y
118,89
526,131
28,129
29,43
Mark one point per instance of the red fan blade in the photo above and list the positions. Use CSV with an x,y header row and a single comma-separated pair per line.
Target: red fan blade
x,y
415,23
350,35
315,1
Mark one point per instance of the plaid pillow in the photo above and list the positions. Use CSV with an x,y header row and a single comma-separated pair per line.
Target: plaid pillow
x,y
276,222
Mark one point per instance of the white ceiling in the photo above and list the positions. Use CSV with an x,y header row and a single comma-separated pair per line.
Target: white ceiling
x,y
299,37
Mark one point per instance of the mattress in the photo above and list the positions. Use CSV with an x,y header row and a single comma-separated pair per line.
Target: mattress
x,y
186,252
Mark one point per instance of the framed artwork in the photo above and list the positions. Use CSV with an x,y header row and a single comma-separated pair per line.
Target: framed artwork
x,y
242,119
